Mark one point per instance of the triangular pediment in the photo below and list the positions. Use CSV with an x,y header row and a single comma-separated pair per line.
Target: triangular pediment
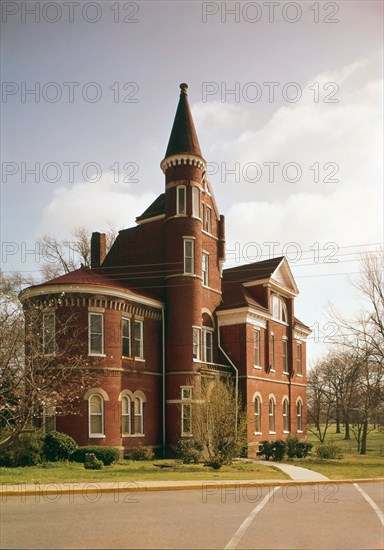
x,y
282,275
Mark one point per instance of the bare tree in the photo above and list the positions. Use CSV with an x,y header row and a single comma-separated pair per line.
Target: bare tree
x,y
219,421
41,362
63,256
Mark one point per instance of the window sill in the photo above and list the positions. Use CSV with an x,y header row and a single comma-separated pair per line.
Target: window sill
x,y
133,435
256,367
257,433
96,436
285,372
186,435
300,431
272,370
127,357
97,355
281,323
272,433
285,432
300,375
140,359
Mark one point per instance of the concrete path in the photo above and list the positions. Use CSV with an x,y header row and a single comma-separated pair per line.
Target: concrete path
x,y
296,473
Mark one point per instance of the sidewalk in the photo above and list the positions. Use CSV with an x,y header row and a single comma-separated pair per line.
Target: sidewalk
x,y
296,473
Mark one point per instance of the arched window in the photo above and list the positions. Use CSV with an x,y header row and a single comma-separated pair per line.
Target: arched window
x,y
126,415
271,413
279,310
286,415
257,413
96,415
139,420
299,413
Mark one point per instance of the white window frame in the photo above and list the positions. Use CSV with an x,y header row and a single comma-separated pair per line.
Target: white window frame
x,y
129,337
272,344
272,415
208,219
299,359
191,258
186,405
196,202
183,210
205,348
285,355
257,414
196,345
256,348
140,340
125,415
51,340
90,315
285,415
205,268
280,310
90,414
299,416
139,415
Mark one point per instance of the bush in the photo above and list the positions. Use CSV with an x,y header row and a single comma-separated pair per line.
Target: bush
x,y
58,446
329,450
106,454
92,463
27,450
144,453
189,451
272,449
297,449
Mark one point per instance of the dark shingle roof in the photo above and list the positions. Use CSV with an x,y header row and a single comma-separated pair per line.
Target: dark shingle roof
x,y
155,209
252,272
183,135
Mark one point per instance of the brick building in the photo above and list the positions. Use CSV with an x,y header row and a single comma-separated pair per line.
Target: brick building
x,y
159,311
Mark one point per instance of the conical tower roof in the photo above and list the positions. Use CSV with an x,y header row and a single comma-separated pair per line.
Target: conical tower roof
x,y
183,135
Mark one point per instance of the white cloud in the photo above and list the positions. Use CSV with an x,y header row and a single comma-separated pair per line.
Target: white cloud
x,y
93,205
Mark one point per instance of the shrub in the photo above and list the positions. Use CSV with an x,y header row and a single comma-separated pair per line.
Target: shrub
x,y
27,450
329,450
58,446
272,449
297,449
92,463
189,451
106,454
144,453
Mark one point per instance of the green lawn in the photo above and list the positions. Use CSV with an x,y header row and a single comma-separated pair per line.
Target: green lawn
x,y
352,465
130,470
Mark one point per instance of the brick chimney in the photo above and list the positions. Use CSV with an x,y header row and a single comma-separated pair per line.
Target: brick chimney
x,y
98,249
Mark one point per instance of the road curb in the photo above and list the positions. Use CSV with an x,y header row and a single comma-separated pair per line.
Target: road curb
x,y
53,489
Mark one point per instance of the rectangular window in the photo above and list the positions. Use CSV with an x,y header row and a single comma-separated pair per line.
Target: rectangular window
x,y
208,219
196,343
181,200
256,348
208,350
285,357
126,337
205,269
189,256
186,411
272,353
139,340
299,360
96,333
196,202
49,333
271,415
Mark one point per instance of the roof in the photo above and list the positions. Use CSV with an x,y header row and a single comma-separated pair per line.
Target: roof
x,y
85,276
155,209
252,272
183,137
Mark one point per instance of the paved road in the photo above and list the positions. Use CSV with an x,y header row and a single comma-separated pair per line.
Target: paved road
x,y
311,517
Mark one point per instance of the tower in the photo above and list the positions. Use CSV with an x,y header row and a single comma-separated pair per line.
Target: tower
x,y
194,253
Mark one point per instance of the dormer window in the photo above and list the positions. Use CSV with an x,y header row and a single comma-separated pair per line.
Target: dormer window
x,y
279,310
181,200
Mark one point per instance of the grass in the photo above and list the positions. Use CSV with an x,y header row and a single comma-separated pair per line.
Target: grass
x,y
129,470
352,465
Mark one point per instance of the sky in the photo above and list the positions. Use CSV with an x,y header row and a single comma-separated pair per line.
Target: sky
x,y
287,103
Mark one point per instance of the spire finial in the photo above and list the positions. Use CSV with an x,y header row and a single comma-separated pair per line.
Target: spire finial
x,y
184,88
